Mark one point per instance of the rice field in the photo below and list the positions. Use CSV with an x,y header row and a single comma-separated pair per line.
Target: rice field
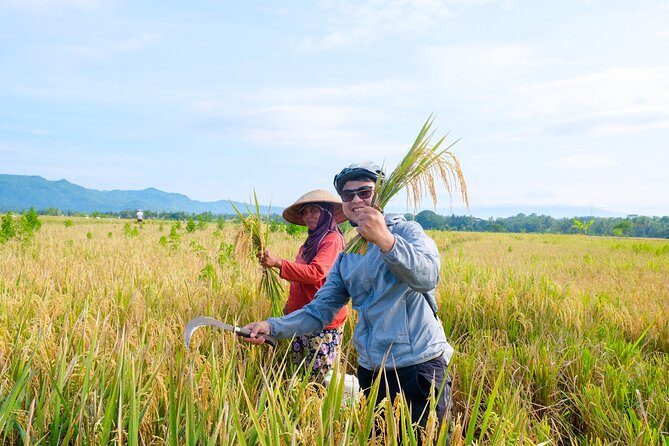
x,y
560,340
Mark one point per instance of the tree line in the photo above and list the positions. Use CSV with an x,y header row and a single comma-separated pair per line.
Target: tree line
x,y
630,226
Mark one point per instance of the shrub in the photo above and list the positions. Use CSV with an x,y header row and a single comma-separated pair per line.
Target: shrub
x,y
130,231
293,229
30,221
190,226
7,229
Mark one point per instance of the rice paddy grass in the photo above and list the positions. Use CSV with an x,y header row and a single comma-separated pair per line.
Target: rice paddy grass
x,y
560,339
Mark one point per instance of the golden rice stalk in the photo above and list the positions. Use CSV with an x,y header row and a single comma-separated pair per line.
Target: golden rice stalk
x,y
421,169
253,238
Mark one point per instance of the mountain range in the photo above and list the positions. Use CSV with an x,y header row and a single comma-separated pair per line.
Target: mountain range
x,y
21,192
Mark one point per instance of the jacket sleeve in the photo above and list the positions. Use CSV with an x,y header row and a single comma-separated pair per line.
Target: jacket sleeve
x,y
414,259
318,313
320,265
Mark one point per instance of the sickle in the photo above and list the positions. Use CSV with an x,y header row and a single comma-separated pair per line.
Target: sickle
x,y
202,321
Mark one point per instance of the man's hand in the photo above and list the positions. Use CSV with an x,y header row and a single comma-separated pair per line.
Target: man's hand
x,y
372,227
254,328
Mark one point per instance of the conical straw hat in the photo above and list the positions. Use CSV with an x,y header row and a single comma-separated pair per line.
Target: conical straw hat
x,y
292,213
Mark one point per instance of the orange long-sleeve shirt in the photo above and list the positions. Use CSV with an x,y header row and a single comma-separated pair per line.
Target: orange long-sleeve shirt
x,y
305,279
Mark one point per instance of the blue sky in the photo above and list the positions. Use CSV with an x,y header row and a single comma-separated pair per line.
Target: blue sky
x,y
553,103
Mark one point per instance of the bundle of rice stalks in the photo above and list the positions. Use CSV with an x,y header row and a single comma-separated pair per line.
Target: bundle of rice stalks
x,y
253,238
420,170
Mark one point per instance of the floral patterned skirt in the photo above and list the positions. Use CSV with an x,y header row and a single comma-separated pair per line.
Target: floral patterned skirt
x,y
317,350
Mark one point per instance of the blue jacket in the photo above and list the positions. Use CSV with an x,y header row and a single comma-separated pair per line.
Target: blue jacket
x,y
394,295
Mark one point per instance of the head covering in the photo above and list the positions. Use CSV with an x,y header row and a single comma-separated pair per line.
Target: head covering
x,y
326,224
331,214
293,213
357,171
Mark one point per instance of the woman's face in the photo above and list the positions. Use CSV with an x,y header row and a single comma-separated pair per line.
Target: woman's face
x,y
311,214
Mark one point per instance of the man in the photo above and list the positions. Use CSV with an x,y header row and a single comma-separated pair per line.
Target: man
x,y
140,216
392,287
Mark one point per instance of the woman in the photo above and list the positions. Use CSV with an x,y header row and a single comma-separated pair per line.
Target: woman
x,y
320,211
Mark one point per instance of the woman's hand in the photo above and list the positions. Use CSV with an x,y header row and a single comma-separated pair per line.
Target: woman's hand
x,y
269,260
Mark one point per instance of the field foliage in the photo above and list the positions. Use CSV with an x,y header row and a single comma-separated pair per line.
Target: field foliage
x,y
560,339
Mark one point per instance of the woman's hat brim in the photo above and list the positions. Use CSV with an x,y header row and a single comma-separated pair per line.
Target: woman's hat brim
x,y
293,215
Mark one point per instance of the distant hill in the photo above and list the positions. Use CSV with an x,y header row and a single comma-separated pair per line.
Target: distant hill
x,y
21,192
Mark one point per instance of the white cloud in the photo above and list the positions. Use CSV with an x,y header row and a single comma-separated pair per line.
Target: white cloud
x,y
47,5
354,22
586,160
326,118
510,80
134,43
312,127
102,50
8,147
86,52
621,88
297,96
612,122
472,66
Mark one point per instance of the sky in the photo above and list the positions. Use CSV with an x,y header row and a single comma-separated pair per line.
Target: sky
x,y
550,104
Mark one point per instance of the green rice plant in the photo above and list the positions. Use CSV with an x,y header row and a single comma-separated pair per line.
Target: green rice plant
x,y
208,273
422,166
226,253
173,239
7,227
253,238
197,247
130,231
477,405
190,226
30,221
22,376
91,348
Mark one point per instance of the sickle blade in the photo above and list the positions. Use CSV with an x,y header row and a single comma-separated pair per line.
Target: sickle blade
x,y
202,321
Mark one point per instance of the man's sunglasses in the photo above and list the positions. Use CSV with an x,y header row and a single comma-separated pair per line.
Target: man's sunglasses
x,y
363,192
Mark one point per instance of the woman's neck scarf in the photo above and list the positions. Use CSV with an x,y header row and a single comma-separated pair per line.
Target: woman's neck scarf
x,y
326,224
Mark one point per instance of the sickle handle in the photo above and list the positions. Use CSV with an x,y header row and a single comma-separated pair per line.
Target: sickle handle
x,y
269,339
